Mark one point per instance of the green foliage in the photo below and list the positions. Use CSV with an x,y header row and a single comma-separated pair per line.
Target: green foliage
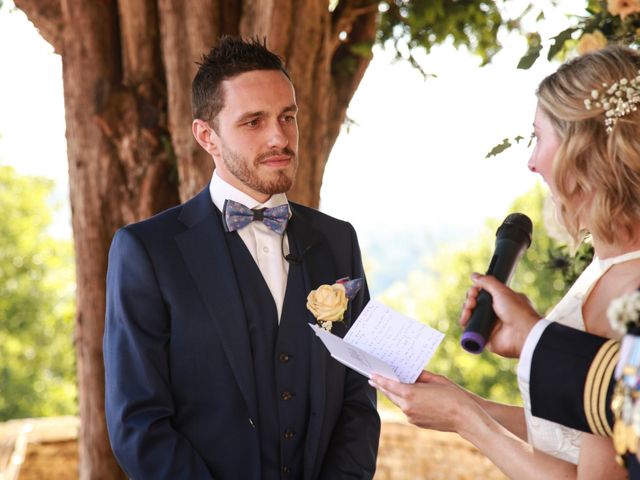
x,y
37,362
599,24
474,24
437,299
501,147
423,24
559,42
535,47
599,19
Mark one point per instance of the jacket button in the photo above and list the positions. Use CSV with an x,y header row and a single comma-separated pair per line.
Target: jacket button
x,y
252,424
287,395
286,470
284,358
288,434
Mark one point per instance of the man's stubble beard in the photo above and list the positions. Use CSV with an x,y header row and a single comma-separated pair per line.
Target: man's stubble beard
x,y
240,167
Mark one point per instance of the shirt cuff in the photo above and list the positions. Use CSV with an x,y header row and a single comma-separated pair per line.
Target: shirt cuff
x,y
524,365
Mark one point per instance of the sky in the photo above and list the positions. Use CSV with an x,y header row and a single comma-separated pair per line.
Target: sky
x,y
419,143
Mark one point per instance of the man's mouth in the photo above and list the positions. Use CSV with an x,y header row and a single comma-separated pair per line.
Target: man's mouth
x,y
282,160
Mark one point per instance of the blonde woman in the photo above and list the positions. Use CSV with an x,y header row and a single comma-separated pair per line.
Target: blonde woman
x,y
587,127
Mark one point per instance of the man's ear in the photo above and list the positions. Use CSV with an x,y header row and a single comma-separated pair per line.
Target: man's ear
x,y
206,136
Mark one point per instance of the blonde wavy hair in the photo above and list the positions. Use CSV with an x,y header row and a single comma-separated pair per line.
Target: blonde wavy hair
x,y
597,175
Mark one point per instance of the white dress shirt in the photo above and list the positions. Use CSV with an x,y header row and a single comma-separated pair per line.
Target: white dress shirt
x,y
266,247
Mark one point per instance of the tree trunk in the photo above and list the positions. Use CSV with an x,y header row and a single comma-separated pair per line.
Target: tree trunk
x,y
127,68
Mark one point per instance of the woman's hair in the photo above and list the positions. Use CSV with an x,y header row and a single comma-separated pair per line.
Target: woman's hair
x,y
596,172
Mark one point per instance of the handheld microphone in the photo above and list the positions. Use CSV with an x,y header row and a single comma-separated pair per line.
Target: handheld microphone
x,y
513,237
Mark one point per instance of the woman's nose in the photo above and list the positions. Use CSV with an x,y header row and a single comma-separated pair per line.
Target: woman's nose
x,y
531,164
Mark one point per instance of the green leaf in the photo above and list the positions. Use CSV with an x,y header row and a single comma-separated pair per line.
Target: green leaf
x,y
499,148
595,7
529,59
535,46
559,40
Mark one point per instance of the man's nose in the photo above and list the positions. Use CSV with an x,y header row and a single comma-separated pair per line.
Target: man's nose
x,y
277,137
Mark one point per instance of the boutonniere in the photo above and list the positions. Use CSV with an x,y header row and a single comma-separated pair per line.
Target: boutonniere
x,y
329,302
624,312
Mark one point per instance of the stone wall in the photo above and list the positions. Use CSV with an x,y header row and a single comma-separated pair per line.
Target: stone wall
x,y
46,449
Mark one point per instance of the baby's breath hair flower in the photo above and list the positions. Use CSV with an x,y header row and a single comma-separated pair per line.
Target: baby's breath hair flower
x,y
617,100
624,312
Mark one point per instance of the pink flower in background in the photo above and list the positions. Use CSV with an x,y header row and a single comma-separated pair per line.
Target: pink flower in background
x,y
624,8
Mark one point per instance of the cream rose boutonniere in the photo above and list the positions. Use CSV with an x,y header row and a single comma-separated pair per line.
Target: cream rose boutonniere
x,y
624,312
329,302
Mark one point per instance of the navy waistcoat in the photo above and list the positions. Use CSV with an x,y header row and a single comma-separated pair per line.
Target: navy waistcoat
x,y
280,360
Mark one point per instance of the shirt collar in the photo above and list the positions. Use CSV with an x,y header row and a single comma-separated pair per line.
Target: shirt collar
x,y
221,191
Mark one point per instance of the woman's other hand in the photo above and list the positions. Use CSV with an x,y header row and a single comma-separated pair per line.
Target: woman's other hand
x,y
432,402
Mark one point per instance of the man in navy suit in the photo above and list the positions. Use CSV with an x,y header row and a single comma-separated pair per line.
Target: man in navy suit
x,y
211,368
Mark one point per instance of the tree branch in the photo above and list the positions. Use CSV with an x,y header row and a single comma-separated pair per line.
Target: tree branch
x,y
46,16
350,62
346,13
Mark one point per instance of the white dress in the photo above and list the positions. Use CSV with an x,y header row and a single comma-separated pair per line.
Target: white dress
x,y
550,437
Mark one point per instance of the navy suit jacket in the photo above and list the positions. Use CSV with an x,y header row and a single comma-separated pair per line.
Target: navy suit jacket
x,y
180,388
571,379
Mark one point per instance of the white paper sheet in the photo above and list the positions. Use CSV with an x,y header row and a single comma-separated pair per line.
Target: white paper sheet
x,y
353,357
383,341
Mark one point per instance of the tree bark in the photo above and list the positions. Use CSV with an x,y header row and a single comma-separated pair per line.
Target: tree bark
x,y
127,70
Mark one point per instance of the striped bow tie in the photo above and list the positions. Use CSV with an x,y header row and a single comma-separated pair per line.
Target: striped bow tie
x,y
237,216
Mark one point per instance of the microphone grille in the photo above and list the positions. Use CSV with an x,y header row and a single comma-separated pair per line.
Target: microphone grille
x,y
516,226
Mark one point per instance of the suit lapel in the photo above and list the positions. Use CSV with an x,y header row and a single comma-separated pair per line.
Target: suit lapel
x,y
311,245
205,253
319,268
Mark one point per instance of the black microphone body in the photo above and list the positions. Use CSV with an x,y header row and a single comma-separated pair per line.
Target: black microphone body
x,y
512,239
293,258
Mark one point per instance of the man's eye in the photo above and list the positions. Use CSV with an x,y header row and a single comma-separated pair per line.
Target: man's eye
x,y
252,123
